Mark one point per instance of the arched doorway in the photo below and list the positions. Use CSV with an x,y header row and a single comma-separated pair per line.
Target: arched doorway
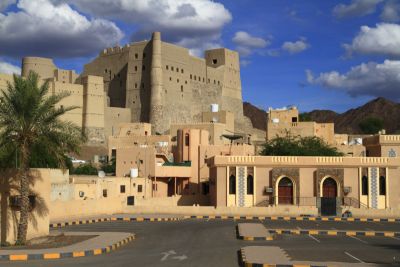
x,y
329,195
329,188
285,191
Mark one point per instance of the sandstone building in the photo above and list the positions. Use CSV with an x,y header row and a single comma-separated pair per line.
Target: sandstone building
x,y
163,84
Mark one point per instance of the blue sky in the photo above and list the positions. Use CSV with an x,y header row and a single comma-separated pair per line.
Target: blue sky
x,y
315,54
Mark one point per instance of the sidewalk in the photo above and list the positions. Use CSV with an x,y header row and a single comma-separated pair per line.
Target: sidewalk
x,y
103,243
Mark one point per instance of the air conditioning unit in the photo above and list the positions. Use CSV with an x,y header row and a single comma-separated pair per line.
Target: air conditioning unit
x,y
269,189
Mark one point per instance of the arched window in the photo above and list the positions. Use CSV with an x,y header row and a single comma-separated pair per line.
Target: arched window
x,y
250,184
232,184
382,185
364,185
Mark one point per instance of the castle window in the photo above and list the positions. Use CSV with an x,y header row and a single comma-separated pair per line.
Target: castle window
x,y
190,76
140,188
135,85
181,70
185,82
172,68
177,80
170,78
214,81
195,77
214,61
122,189
181,88
203,79
135,68
218,82
177,69
136,56
208,80
105,71
166,67
104,192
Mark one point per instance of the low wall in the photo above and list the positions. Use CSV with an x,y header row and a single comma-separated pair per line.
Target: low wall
x,y
174,201
224,211
373,213
73,209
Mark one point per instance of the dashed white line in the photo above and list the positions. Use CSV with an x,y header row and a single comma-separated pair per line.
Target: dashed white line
x,y
357,259
314,238
365,242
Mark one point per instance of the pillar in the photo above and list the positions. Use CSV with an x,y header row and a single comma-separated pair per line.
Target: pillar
x,y
156,107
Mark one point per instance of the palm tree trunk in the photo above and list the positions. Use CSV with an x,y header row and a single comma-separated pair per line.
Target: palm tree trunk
x,y
24,192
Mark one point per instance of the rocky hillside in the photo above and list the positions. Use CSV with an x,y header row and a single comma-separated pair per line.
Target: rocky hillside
x,y
346,122
257,116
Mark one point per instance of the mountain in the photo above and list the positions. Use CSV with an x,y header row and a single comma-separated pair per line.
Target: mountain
x,y
346,122
257,116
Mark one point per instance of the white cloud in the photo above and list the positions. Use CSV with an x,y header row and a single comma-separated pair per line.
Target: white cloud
x,y
181,21
8,68
44,29
295,47
5,3
371,79
391,11
357,8
246,43
384,39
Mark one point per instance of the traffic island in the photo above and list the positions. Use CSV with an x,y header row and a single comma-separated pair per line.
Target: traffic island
x,y
102,242
253,232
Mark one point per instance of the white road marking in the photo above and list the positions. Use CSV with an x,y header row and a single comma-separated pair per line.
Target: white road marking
x,y
314,238
365,242
208,219
395,238
167,254
357,259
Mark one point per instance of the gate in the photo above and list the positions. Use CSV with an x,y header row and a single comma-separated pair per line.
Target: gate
x,y
328,206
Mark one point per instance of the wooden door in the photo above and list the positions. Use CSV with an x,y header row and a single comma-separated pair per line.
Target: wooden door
x,y
285,191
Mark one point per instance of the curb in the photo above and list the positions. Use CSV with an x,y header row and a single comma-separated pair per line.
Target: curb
x,y
256,238
333,232
74,254
288,218
250,264
107,219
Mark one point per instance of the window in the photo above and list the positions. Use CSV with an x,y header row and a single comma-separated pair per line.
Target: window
x,y
135,68
186,139
190,76
364,185
205,188
181,70
172,68
122,189
140,188
250,184
177,69
181,88
135,85
15,202
294,119
382,186
232,184
170,78
166,67
130,201
214,61
104,192
194,77
105,71
136,56
177,80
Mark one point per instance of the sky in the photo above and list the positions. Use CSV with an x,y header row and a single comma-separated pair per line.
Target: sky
x,y
314,54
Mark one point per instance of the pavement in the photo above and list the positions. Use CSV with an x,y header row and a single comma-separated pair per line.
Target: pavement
x,y
102,243
208,242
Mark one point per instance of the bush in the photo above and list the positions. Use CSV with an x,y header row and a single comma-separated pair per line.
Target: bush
x,y
371,125
85,169
109,168
298,146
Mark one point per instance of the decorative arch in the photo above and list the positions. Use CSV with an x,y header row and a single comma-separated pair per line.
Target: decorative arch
x,y
336,174
279,190
328,179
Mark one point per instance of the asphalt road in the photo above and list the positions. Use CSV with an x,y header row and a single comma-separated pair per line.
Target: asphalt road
x,y
214,243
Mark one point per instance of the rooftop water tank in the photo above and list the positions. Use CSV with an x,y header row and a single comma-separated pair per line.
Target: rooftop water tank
x,y
214,108
134,172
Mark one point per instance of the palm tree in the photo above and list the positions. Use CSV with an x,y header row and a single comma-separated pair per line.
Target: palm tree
x,y
29,118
